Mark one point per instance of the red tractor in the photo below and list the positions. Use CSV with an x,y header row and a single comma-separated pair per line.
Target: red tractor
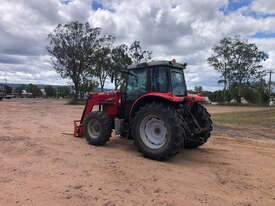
x,y
154,110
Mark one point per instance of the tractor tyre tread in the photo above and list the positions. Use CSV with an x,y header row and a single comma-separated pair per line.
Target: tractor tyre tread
x,y
176,141
206,117
106,125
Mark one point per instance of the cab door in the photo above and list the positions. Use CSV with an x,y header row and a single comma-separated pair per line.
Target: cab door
x,y
136,87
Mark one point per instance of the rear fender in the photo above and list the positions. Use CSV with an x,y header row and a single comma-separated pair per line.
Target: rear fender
x,y
153,97
164,97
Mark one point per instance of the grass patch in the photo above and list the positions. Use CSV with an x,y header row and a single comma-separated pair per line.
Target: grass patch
x,y
237,105
264,118
77,102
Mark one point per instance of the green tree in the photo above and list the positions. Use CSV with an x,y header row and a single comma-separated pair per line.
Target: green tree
x,y
272,89
198,89
238,61
220,60
217,96
123,56
103,60
246,63
63,91
137,54
8,89
19,89
120,60
88,86
36,92
50,91
256,92
72,47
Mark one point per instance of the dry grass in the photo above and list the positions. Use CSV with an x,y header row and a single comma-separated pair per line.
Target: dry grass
x,y
265,117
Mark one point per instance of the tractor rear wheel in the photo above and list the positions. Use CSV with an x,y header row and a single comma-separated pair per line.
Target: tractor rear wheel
x,y
97,128
204,120
157,131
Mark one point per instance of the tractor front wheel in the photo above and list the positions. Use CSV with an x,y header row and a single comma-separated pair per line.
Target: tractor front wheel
x,y
157,131
97,128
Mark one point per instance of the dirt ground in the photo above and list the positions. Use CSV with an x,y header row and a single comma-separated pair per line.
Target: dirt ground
x,y
41,163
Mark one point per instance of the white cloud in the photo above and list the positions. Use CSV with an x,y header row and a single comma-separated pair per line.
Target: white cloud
x,y
185,30
263,6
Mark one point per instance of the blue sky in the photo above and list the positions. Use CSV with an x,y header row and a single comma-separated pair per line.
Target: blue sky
x,y
263,35
234,5
96,5
185,30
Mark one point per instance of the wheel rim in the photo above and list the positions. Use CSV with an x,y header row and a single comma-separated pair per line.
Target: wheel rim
x,y
94,128
153,132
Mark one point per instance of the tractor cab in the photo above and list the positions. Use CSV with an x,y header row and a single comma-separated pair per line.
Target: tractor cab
x,y
165,77
159,76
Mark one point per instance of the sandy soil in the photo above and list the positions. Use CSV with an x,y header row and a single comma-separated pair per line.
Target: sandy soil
x,y
41,163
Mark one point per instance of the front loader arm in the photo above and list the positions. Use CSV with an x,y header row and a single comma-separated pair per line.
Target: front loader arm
x,y
108,102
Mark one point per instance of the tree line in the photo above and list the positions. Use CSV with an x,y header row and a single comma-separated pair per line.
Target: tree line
x,y
35,91
88,57
239,63
253,93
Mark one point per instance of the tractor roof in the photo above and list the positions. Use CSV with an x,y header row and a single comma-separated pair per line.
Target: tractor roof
x,y
157,63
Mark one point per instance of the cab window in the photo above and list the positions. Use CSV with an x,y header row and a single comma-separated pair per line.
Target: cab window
x,y
136,85
160,81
